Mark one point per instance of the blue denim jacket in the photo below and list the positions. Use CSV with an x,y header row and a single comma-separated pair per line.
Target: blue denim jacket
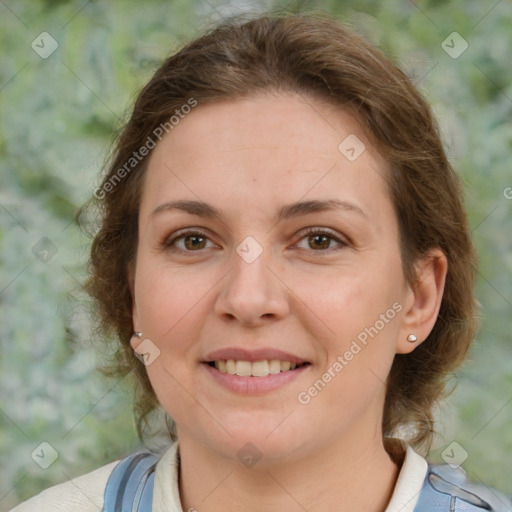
x,y
445,489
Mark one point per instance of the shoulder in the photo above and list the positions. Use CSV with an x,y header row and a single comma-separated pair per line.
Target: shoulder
x,y
448,488
424,487
84,493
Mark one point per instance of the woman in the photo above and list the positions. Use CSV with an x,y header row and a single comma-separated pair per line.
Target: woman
x,y
285,259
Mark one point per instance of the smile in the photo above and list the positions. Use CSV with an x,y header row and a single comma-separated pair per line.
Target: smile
x,y
254,369
256,377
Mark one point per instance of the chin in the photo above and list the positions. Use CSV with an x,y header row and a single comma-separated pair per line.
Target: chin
x,y
268,439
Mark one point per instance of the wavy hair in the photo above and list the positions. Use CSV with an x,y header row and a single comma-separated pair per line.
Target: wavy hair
x,y
316,56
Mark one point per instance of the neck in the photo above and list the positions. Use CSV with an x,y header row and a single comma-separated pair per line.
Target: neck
x,y
342,477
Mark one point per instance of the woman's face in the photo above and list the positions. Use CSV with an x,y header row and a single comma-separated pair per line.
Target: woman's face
x,y
254,287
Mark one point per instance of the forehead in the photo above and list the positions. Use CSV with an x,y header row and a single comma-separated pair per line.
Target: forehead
x,y
254,152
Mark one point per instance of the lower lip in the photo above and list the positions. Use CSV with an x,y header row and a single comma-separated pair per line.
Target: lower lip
x,y
255,385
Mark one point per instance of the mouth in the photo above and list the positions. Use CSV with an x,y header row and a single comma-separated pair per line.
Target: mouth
x,y
262,368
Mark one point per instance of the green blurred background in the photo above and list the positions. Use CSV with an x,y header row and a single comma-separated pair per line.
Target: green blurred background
x,y
58,116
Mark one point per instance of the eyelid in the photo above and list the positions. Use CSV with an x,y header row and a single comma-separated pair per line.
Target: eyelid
x,y
342,240
182,233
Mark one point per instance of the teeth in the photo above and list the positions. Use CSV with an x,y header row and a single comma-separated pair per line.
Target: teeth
x,y
230,367
243,368
255,369
259,369
274,366
285,366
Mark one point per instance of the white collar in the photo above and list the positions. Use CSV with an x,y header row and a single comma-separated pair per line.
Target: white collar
x,y
166,495
409,483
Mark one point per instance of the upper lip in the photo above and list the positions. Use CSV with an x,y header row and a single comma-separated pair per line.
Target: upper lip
x,y
242,354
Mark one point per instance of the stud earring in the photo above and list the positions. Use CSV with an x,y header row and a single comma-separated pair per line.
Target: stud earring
x,y
412,338
135,336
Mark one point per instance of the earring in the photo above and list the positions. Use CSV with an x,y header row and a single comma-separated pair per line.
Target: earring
x,y
135,336
412,338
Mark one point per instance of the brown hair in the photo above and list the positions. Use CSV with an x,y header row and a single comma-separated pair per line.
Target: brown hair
x,y
316,56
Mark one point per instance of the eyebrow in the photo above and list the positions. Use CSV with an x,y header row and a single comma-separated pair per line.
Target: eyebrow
x,y
202,209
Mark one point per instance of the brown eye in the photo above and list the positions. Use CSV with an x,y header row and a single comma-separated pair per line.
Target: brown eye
x,y
193,241
319,240
322,241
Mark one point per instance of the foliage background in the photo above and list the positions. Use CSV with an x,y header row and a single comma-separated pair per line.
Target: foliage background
x,y
58,116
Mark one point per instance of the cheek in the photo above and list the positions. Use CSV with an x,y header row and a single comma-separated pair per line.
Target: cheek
x,y
350,300
169,308
167,299
360,355
362,310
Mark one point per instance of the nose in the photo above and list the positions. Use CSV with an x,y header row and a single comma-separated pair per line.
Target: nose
x,y
252,292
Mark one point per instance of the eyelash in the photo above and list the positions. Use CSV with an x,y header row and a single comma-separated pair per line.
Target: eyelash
x,y
167,244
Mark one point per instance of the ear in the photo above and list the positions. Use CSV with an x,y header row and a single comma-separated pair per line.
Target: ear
x,y
423,300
